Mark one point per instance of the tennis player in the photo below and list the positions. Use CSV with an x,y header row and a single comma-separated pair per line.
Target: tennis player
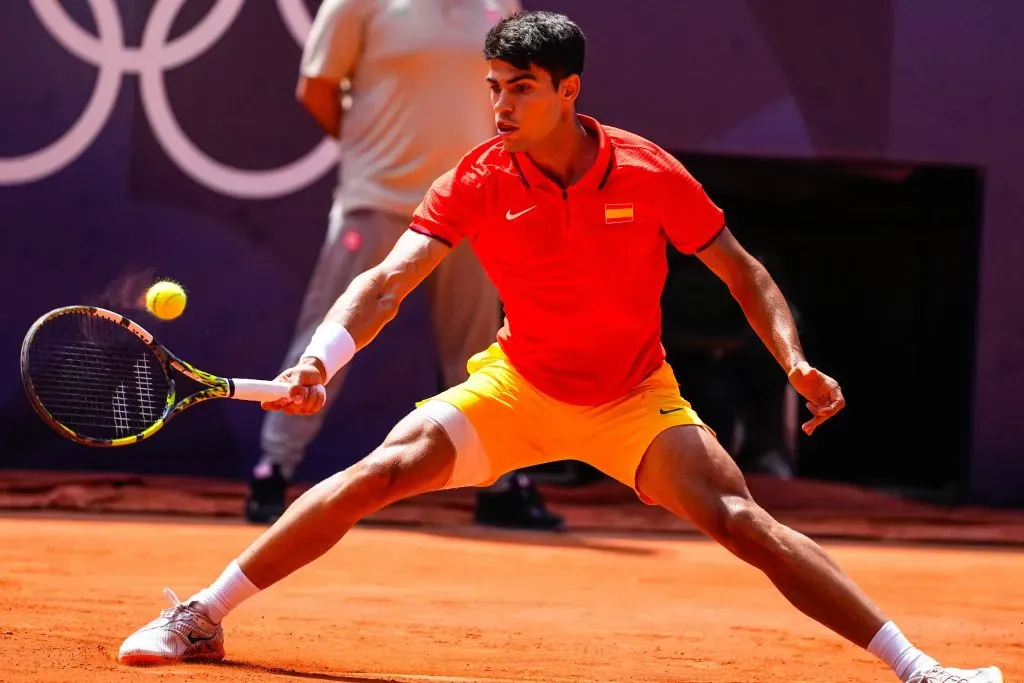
x,y
571,220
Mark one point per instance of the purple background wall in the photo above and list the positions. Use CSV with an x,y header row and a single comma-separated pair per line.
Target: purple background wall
x,y
905,80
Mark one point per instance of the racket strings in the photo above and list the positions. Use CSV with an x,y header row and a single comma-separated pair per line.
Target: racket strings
x,y
96,377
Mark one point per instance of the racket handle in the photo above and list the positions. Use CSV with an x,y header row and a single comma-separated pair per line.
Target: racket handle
x,y
259,390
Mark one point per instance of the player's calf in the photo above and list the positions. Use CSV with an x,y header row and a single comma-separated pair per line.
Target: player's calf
x,y
688,472
800,569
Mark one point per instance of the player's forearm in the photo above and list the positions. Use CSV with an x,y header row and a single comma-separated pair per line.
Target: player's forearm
x,y
768,313
357,316
371,301
366,306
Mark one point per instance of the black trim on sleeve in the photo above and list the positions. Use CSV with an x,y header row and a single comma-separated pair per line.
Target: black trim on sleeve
x,y
712,240
426,233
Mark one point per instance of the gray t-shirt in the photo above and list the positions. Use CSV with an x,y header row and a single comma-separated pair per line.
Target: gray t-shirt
x,y
419,101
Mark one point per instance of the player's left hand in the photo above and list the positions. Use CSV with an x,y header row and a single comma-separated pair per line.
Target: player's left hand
x,y
824,397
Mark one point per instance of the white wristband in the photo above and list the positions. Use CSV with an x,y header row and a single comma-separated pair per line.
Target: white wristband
x,y
333,345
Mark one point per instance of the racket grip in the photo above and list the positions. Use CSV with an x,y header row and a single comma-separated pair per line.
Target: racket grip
x,y
259,390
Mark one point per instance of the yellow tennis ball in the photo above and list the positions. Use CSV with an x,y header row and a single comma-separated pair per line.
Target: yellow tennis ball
x,y
166,300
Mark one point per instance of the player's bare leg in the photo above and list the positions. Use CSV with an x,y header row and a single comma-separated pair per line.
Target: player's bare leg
x,y
687,471
416,457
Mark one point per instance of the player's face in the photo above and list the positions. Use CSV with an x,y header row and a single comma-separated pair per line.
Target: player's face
x,y
527,107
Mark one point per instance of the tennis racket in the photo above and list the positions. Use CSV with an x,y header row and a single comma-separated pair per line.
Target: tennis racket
x,y
100,379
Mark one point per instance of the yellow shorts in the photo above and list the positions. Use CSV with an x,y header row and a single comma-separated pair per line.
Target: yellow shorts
x,y
518,426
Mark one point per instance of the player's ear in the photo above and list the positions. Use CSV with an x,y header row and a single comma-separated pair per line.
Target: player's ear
x,y
569,87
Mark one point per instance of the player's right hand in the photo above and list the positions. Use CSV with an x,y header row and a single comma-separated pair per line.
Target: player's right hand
x,y
308,393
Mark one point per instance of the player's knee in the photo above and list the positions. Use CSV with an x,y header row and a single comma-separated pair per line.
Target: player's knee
x,y
377,476
414,459
749,531
363,488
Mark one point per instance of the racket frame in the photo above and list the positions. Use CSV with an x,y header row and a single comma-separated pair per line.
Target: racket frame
x,y
216,387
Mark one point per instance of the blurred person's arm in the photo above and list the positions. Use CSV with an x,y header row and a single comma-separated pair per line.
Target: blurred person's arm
x,y
328,58
322,99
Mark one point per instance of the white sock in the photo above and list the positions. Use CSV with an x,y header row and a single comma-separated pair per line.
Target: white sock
x,y
893,648
226,593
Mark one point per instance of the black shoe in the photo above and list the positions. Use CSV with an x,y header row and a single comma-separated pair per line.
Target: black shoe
x,y
518,505
266,499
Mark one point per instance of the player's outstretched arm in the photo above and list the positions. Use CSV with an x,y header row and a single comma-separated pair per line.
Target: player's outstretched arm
x,y
768,313
369,303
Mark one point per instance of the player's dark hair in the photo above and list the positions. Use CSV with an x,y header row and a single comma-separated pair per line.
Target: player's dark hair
x,y
549,41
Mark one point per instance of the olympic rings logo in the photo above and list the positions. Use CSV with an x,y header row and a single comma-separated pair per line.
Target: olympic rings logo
x,y
149,61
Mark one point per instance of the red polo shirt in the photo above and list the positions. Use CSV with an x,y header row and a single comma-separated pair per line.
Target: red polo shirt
x,y
580,270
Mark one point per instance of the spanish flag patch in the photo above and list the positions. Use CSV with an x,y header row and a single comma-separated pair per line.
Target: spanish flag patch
x,y
618,213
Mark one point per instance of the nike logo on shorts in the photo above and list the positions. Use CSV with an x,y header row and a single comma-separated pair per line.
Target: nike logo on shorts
x,y
670,410
509,216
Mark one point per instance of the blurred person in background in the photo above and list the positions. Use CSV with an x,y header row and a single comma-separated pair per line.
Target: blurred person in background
x,y
414,101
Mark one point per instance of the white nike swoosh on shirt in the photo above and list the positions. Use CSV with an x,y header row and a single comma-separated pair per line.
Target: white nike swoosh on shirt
x,y
509,216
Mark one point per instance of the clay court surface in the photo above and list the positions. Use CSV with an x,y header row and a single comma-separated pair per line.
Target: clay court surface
x,y
458,604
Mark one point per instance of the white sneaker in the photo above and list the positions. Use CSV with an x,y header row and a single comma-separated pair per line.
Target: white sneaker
x,y
942,674
180,633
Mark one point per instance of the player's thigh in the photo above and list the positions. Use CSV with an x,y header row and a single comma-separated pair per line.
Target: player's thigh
x,y
618,434
417,456
688,472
